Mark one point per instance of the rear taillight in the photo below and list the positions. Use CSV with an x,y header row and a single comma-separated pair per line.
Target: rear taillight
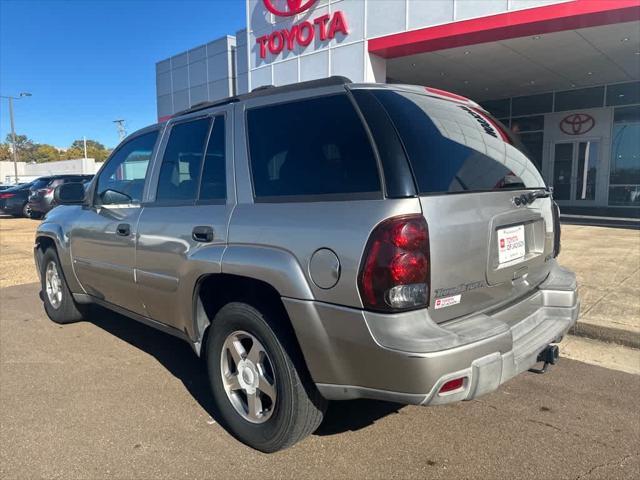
x,y
556,228
6,195
394,274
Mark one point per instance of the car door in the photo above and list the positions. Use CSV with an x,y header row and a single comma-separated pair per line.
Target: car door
x,y
182,230
103,238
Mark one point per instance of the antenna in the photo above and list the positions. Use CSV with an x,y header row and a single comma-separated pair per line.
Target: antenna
x,y
122,128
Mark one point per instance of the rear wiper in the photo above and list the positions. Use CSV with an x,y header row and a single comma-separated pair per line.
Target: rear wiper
x,y
528,198
533,196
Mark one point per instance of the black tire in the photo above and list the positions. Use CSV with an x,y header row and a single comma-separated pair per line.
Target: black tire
x,y
26,210
299,408
67,311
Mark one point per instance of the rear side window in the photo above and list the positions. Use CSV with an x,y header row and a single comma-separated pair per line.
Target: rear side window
x,y
180,170
454,149
214,179
40,183
310,147
74,179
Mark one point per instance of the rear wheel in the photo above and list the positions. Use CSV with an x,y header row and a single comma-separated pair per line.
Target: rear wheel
x,y
26,211
58,301
263,399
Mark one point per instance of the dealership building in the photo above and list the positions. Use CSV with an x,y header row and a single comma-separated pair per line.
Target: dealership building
x,y
563,75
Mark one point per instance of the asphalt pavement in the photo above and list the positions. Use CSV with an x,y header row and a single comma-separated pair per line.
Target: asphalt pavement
x,y
110,398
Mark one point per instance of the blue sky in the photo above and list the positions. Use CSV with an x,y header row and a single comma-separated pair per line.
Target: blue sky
x,y
88,62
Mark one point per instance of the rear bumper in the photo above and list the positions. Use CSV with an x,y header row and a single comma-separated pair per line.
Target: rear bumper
x,y
406,358
12,208
39,205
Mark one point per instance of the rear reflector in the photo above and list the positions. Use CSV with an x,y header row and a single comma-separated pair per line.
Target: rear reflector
x,y
452,385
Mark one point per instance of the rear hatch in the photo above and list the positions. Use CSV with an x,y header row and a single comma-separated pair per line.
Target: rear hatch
x,y
39,189
489,215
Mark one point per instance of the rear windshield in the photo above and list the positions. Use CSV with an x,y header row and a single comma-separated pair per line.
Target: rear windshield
x,y
41,183
453,148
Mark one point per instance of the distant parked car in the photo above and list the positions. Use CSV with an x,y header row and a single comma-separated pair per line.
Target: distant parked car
x,y
14,200
41,198
13,185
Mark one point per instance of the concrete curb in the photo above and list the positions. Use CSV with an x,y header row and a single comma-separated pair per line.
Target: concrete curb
x,y
606,334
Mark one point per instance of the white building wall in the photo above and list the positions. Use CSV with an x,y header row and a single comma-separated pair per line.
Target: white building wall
x,y
198,75
232,64
7,172
348,55
30,171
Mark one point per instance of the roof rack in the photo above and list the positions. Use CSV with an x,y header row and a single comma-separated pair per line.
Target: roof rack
x,y
266,90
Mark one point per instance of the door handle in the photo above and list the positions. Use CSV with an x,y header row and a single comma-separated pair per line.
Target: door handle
x,y
124,230
202,234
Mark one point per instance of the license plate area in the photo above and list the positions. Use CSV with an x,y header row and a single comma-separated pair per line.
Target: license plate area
x,y
511,244
498,271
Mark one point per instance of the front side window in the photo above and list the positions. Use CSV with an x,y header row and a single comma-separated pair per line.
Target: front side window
x,y
453,148
310,147
122,179
180,170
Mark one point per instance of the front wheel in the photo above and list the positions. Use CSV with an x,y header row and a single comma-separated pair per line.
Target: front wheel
x,y
259,387
58,301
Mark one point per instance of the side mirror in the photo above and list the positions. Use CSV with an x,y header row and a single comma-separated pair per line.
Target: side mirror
x,y
69,194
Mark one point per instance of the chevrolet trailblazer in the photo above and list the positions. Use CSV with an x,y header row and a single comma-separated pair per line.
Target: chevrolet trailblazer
x,y
321,241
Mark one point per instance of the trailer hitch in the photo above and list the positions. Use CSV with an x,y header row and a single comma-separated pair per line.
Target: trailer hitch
x,y
549,356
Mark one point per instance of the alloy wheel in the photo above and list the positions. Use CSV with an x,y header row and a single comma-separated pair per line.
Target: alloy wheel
x,y
248,377
53,285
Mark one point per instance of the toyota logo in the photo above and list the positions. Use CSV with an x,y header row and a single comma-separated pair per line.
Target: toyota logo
x,y
577,124
287,8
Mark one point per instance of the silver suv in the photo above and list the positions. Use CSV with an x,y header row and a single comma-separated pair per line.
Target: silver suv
x,y
322,241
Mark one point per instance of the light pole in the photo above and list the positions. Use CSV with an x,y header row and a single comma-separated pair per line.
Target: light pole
x,y
14,148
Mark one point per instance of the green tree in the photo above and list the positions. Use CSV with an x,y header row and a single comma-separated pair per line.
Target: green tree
x,y
5,152
95,150
24,146
45,153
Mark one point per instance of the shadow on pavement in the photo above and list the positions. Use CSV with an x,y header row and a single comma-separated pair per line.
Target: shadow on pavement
x,y
354,415
180,360
172,353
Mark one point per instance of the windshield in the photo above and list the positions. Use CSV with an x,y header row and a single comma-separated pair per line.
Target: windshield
x,y
453,148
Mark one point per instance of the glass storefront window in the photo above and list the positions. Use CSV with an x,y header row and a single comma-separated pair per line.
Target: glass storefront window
x,y
527,124
624,177
532,144
588,166
532,104
498,108
623,94
581,98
